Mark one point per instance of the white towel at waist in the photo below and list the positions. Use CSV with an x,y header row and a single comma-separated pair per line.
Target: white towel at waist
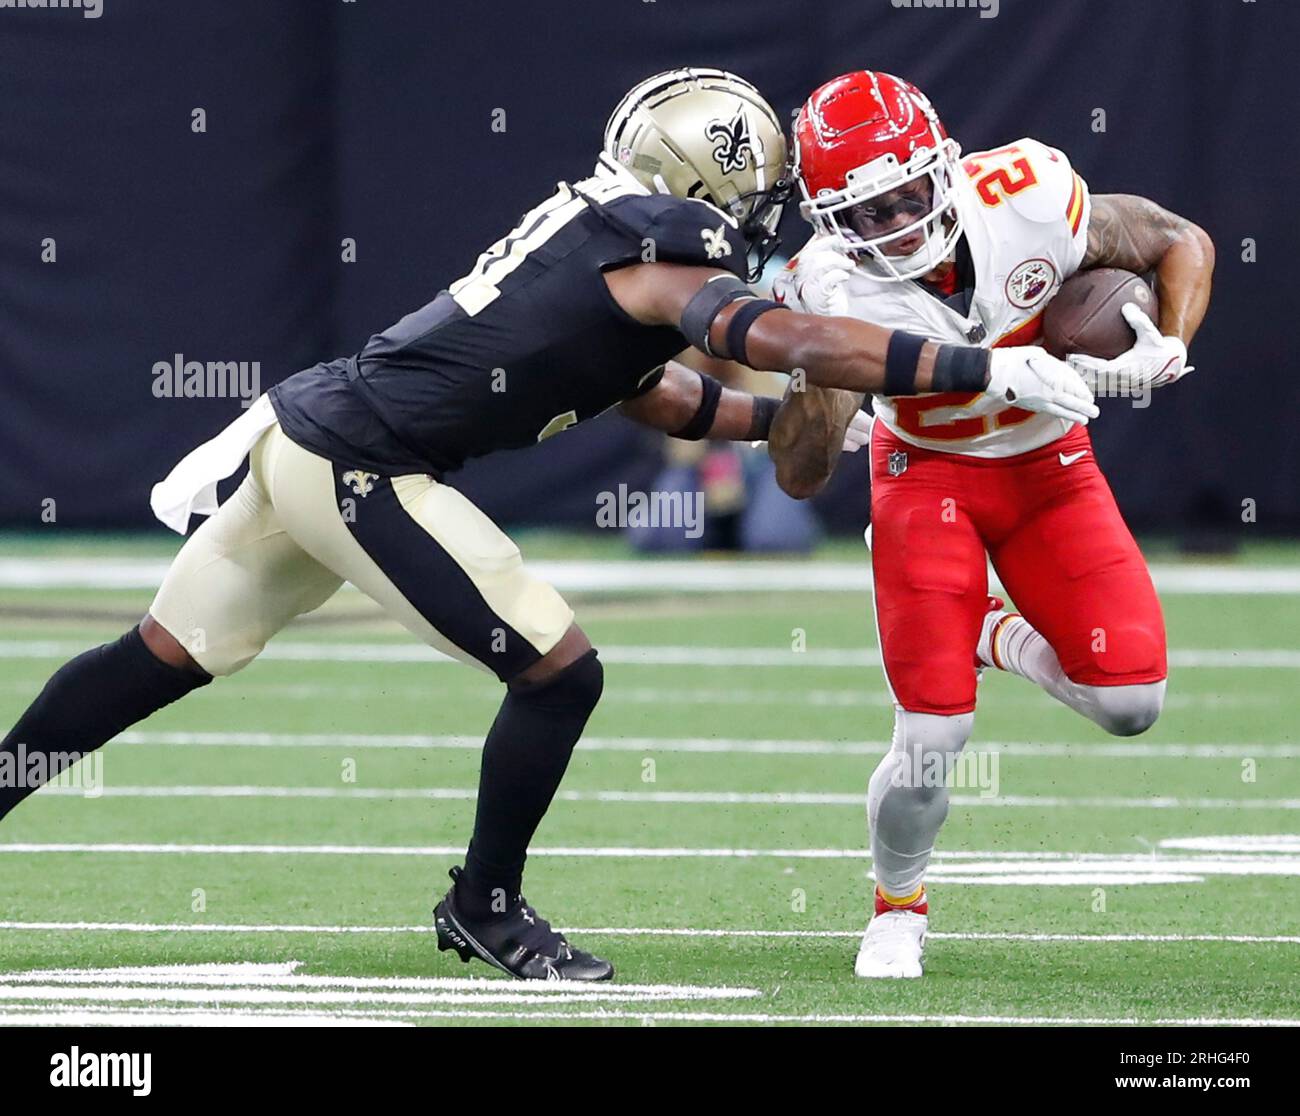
x,y
191,487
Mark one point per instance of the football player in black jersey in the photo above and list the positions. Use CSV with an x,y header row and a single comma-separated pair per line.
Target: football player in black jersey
x,y
578,310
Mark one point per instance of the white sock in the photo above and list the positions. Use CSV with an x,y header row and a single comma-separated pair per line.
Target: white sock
x,y
907,798
1009,642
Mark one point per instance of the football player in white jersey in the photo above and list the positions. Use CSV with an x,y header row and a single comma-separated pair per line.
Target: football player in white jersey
x,y
909,234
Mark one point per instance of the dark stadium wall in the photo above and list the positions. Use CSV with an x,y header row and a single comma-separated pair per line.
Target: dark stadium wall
x,y
372,123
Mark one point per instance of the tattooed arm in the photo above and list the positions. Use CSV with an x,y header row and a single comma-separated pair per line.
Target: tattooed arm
x,y
1138,235
807,436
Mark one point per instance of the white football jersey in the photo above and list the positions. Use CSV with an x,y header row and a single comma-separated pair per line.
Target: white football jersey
x,y
1024,214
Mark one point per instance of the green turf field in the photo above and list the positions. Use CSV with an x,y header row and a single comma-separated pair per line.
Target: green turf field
x,y
289,828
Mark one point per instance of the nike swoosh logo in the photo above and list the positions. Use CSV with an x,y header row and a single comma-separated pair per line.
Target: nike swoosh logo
x,y
1071,458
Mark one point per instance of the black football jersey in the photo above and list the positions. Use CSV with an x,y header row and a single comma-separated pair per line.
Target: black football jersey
x,y
527,344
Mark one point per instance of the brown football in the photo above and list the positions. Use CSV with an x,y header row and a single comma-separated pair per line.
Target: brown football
x,y
1085,317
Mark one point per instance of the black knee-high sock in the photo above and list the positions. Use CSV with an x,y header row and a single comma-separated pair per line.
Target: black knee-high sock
x,y
86,703
524,759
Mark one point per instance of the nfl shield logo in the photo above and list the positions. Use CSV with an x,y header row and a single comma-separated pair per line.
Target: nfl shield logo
x,y
897,463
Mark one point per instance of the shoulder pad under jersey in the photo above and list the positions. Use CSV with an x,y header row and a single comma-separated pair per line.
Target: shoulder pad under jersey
x,y
1059,194
683,230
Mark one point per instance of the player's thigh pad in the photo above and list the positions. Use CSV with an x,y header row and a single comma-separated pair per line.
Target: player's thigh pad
x,y
1076,574
236,582
931,584
424,552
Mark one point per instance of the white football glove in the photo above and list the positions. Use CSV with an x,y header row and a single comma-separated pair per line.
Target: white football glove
x,y
1029,377
858,433
820,273
1152,362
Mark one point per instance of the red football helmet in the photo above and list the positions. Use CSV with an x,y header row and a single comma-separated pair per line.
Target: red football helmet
x,y
877,170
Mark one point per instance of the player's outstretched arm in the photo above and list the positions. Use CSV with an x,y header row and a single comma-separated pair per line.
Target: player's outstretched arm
x,y
832,352
1138,235
692,405
719,316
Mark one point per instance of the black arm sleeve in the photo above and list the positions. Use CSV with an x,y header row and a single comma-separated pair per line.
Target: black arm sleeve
x,y
706,304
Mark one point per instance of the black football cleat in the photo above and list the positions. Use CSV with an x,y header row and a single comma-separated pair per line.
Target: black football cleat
x,y
517,941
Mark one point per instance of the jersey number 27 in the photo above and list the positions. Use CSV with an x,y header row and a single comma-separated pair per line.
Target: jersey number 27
x,y
1000,174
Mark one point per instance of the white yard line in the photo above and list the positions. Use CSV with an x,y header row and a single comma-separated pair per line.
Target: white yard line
x,y
259,685
638,932
1237,843
192,978
504,993
657,655
280,985
940,1020
679,798
618,851
942,936
162,1016
476,688
991,867
660,576
1079,878
276,994
17,1015
703,744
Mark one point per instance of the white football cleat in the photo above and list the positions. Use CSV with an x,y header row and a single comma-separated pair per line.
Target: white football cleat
x,y
892,946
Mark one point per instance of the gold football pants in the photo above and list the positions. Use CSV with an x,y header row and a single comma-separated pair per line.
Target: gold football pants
x,y
299,526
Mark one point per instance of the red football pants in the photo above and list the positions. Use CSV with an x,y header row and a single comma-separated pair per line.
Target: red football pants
x,y
1049,523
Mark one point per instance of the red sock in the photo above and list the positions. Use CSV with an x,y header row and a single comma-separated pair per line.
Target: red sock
x,y
917,902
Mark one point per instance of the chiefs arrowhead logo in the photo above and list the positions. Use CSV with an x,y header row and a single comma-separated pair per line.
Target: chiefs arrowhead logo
x,y
1030,283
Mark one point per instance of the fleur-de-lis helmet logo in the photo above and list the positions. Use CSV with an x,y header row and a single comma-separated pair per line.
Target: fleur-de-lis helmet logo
x,y
732,148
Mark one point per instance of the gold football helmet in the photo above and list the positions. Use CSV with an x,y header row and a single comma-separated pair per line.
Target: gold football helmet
x,y
707,134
